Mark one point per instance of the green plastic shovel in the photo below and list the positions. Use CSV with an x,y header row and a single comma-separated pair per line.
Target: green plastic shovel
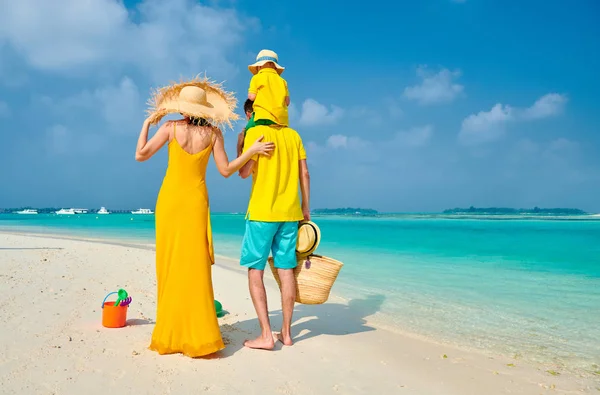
x,y
122,296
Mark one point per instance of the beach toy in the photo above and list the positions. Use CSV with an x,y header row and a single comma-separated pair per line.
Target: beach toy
x,y
114,314
126,301
219,308
122,296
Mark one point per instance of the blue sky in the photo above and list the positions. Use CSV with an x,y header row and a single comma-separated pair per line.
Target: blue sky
x,y
403,106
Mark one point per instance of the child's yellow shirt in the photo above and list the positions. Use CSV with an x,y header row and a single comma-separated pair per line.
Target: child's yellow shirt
x,y
271,91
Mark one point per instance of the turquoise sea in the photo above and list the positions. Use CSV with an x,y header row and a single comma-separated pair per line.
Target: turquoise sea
x,y
526,288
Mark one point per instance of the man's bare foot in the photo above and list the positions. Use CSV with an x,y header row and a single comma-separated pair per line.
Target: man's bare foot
x,y
286,340
260,343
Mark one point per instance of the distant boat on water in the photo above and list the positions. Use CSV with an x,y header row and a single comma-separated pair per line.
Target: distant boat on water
x,y
27,211
143,211
103,210
65,211
80,210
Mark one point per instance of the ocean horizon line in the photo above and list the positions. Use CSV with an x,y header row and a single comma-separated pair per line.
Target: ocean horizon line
x,y
358,212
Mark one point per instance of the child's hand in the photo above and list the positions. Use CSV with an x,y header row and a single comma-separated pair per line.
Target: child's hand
x,y
262,148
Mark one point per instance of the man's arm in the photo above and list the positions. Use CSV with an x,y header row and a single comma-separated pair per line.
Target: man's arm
x,y
240,143
247,169
304,188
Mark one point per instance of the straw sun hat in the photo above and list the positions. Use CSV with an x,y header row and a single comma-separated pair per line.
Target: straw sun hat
x,y
309,237
264,56
198,98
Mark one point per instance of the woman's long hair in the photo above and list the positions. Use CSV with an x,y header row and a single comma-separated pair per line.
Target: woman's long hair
x,y
198,121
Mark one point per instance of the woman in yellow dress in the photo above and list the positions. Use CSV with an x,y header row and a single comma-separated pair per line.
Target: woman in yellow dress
x,y
186,320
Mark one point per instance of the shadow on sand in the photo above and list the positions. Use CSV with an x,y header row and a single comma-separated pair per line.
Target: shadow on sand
x,y
139,321
332,319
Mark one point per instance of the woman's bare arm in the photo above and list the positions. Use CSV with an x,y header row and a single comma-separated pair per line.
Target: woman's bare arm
x,y
227,168
145,149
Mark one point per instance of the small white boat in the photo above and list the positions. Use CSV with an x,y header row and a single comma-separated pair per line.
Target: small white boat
x,y
27,211
80,210
143,211
65,211
103,210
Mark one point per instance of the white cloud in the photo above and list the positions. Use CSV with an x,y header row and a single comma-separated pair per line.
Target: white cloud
x,y
546,106
4,109
412,138
61,141
556,150
488,126
415,137
562,146
166,39
119,105
293,113
314,113
485,126
62,33
394,109
366,115
527,146
337,141
435,88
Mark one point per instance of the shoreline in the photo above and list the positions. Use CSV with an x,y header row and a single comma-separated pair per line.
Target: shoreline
x,y
377,320
340,324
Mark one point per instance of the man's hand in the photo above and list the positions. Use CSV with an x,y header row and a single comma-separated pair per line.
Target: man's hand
x,y
306,213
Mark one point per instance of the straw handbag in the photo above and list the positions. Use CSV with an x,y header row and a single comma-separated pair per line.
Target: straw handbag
x,y
315,276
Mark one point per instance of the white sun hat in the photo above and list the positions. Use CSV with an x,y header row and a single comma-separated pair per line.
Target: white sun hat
x,y
264,56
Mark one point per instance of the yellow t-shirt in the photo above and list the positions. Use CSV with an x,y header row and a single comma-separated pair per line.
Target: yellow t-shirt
x,y
270,90
275,195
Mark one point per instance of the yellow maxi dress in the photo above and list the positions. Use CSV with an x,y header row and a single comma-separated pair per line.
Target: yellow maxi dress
x,y
186,320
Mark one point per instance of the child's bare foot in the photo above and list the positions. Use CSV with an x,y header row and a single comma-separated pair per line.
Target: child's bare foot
x,y
261,343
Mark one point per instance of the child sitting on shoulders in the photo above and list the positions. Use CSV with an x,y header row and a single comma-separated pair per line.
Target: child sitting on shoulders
x,y
269,91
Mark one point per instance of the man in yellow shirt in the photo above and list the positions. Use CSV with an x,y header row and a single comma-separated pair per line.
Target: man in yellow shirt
x,y
274,211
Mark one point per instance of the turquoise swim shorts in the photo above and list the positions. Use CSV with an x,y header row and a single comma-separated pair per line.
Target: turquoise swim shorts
x,y
261,238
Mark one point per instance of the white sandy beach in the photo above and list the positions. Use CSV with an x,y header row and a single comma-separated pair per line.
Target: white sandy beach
x,y
52,340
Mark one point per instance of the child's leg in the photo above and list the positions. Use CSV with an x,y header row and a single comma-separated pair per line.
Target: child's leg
x,y
250,124
266,122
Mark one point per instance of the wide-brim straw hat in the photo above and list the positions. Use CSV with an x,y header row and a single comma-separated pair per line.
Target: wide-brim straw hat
x,y
197,98
309,237
263,57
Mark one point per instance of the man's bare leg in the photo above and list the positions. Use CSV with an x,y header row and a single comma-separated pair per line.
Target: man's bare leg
x,y
259,299
288,298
